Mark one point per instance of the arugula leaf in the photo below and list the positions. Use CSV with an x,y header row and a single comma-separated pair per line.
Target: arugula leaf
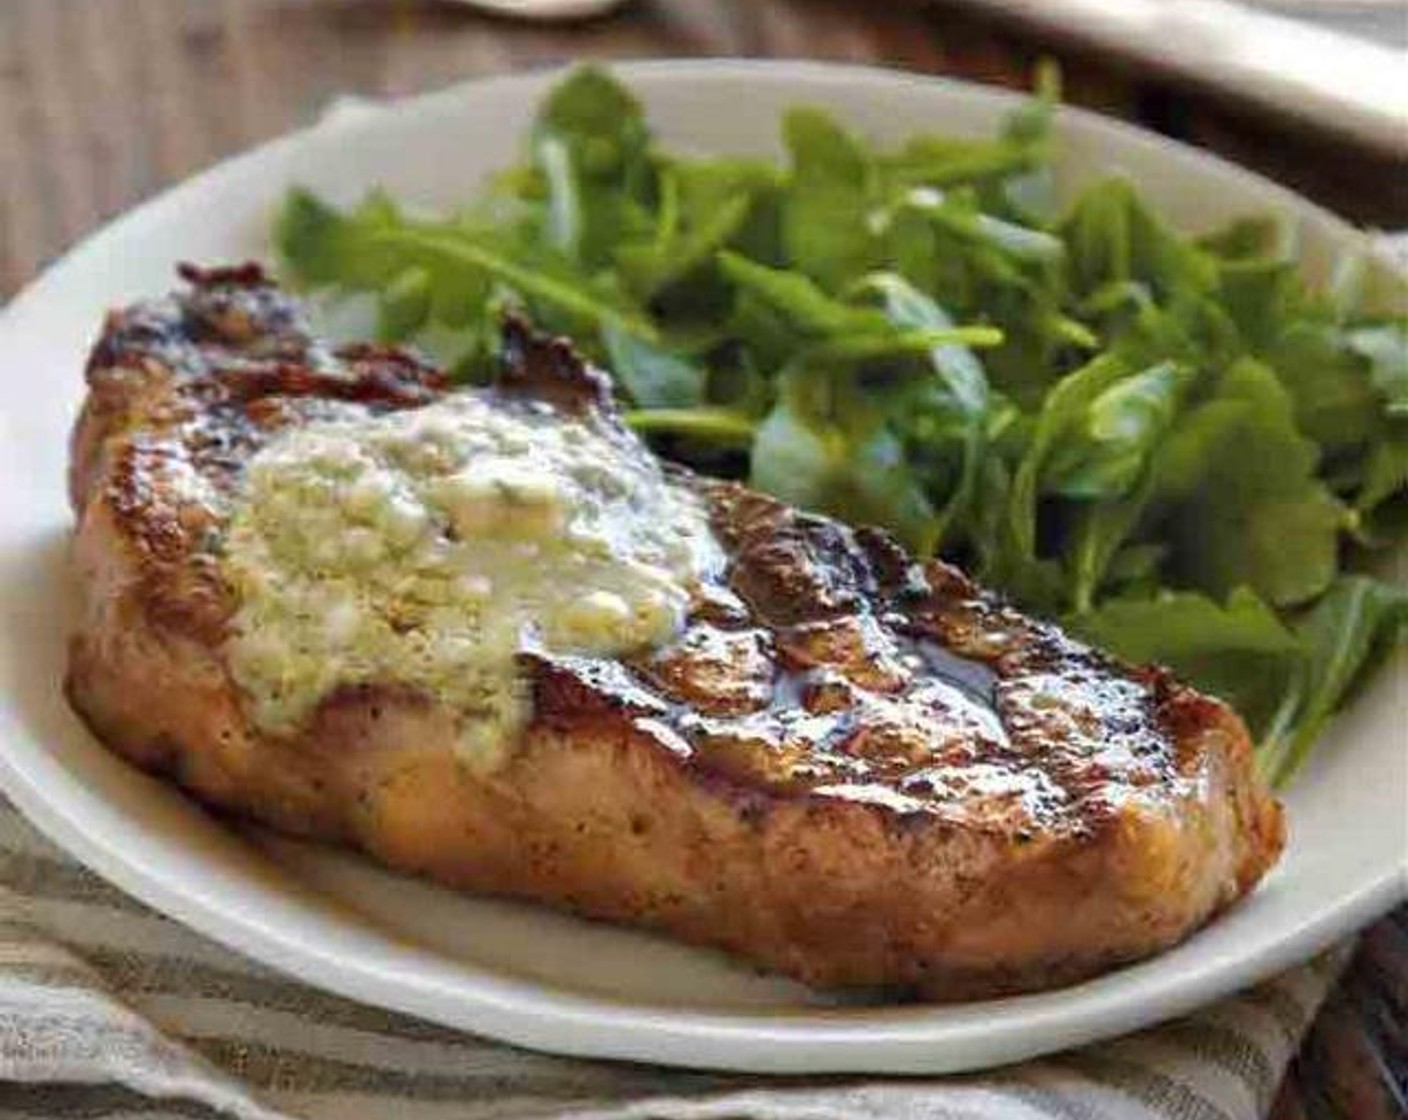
x,y
705,184
704,207
1335,401
808,310
404,305
1191,453
718,426
941,161
1113,238
1133,570
565,219
654,377
1386,347
959,386
1061,412
1285,544
1098,531
1104,456
1251,237
840,457
1012,168
1353,628
590,145
826,229
1176,466
871,346
650,268
321,246
1257,294
453,248
1260,517
961,217
1385,473
601,122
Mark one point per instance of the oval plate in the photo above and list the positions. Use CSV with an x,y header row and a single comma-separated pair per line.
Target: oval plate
x,y
518,972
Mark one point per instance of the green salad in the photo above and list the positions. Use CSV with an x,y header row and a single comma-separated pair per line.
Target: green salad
x,y
1171,445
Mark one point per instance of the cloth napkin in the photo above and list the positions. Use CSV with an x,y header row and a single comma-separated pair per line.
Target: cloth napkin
x,y
108,1009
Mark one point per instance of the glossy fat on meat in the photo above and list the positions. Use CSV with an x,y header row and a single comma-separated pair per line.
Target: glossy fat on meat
x,y
851,767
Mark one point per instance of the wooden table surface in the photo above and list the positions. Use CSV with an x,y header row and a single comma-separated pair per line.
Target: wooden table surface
x,y
103,102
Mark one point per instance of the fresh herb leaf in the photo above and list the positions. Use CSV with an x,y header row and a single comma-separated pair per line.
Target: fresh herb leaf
x,y
959,386
1259,517
961,217
710,425
798,301
321,246
654,377
826,227
404,305
1113,238
591,147
1386,347
897,343
840,457
1334,398
1353,628
450,247
1062,412
1106,453
1386,472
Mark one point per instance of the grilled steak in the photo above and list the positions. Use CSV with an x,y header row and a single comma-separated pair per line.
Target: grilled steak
x,y
840,763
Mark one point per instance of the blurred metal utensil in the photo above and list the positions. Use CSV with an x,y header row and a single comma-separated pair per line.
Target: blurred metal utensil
x,y
1340,82
544,11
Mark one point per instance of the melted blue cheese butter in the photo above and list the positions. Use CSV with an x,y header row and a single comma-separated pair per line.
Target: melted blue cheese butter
x,y
428,548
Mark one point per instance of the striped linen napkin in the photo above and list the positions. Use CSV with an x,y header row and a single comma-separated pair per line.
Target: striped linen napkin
x,y
108,1009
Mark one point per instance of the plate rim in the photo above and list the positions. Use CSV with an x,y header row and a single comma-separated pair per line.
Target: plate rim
x,y
539,1016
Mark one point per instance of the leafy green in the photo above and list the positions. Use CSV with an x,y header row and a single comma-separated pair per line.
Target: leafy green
x,y
654,377
1062,411
1386,347
1175,443
1347,634
326,247
819,451
1113,237
1259,517
404,304
955,401
704,207
453,249
715,425
826,231
959,215
1105,454
798,301
1335,401
1385,473
590,147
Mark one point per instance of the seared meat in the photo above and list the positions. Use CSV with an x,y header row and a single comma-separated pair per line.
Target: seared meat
x,y
852,767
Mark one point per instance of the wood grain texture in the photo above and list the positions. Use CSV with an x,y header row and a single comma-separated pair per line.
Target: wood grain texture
x,y
104,102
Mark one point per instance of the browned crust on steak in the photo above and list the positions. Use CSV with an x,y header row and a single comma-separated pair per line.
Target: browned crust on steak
x,y
851,767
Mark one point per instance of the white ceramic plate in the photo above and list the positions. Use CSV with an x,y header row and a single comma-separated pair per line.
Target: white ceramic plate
x,y
513,971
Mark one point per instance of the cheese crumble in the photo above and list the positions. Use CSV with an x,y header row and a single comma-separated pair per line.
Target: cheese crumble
x,y
429,548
